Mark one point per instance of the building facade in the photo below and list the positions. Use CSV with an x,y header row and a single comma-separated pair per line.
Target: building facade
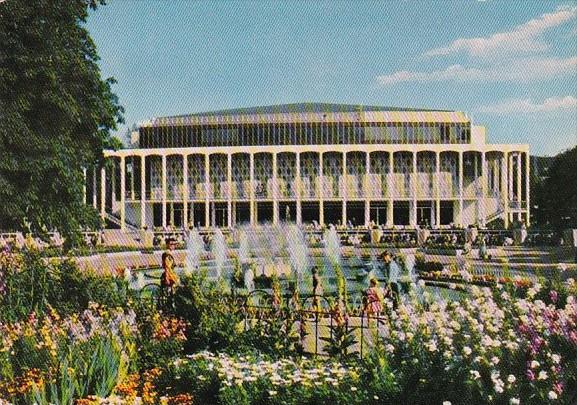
x,y
312,163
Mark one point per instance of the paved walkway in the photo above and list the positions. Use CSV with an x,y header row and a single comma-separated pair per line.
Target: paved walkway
x,y
518,258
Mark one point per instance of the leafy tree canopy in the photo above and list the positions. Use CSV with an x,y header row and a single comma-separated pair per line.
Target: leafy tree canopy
x,y
56,114
555,194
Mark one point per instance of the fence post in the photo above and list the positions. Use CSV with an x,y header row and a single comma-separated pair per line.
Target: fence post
x,y
316,331
362,331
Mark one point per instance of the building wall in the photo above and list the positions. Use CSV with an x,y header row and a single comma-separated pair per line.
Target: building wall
x,y
478,177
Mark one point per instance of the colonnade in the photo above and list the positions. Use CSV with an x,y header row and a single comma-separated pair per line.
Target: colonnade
x,y
403,173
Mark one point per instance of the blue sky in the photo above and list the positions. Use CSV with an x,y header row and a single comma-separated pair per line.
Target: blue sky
x,y
512,65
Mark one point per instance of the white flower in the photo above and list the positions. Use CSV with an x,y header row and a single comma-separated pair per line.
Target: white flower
x,y
272,393
511,378
446,402
552,395
475,374
467,350
556,358
514,401
494,360
542,375
353,389
534,364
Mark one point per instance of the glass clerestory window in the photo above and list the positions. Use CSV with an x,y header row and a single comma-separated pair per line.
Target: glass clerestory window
x,y
309,133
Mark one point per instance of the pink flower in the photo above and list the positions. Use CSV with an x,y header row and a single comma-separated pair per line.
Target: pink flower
x,y
558,387
554,296
530,375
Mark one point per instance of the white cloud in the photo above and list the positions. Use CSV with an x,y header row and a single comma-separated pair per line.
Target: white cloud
x,y
522,39
525,106
518,70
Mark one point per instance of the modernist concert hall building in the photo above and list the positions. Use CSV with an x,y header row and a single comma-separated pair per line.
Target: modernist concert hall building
x,y
312,163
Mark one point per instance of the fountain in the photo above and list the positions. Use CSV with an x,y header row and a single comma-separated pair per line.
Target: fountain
x,y
194,249
243,247
410,267
297,251
219,249
332,246
140,282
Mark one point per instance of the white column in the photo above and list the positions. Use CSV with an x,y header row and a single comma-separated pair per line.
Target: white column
x,y
122,193
185,191
528,188
251,191
482,202
366,187
299,217
495,177
84,178
103,191
229,186
207,191
142,191
94,198
132,166
519,190
510,176
461,173
322,191
113,187
505,187
345,184
437,190
390,188
390,185
164,191
413,219
274,189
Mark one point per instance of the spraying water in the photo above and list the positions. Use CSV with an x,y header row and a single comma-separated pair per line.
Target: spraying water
x,y
332,246
194,249
140,281
243,247
298,251
410,267
218,249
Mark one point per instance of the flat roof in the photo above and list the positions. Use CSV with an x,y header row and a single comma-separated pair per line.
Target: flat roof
x,y
310,112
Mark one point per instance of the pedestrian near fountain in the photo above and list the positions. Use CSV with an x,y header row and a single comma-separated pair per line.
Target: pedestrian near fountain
x,y
169,279
317,288
374,298
393,272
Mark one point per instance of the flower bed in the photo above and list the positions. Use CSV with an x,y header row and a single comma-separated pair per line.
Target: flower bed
x,y
504,344
476,279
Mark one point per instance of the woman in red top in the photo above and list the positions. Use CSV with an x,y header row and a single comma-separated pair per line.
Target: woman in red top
x,y
374,298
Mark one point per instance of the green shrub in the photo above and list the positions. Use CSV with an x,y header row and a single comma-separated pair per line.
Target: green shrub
x,y
33,284
213,320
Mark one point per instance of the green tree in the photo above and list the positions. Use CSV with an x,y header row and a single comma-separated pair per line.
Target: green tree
x,y
56,114
555,194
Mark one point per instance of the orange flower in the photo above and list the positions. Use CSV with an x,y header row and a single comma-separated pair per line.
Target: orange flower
x,y
149,394
181,399
129,387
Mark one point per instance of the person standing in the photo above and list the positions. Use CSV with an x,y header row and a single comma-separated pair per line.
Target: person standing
x,y
317,289
374,298
393,272
169,279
